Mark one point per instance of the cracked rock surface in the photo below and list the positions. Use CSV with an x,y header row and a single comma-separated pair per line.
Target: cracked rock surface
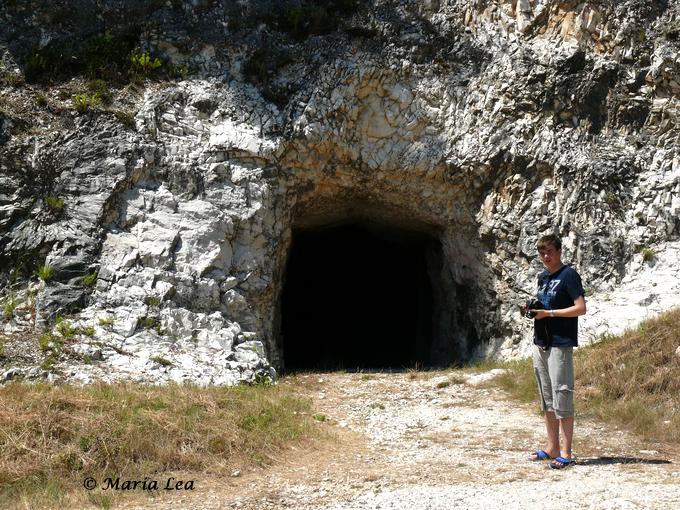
x,y
482,123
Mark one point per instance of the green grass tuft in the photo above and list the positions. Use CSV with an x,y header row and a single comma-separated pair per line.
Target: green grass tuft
x,y
46,273
40,99
143,64
88,331
54,204
49,342
83,102
100,88
106,321
518,379
164,362
9,304
148,322
66,329
90,279
152,301
125,118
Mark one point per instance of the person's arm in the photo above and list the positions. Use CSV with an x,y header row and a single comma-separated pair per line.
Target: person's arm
x,y
578,308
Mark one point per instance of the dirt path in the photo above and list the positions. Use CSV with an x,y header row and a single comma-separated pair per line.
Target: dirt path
x,y
410,441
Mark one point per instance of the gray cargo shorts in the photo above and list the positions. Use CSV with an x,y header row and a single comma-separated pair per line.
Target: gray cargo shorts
x,y
554,370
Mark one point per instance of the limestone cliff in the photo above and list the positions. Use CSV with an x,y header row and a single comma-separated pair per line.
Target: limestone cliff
x,y
475,125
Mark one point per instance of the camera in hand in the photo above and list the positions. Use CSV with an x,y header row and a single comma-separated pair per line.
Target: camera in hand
x,y
533,304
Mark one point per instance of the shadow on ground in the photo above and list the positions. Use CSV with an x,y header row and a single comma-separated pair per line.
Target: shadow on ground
x,y
605,461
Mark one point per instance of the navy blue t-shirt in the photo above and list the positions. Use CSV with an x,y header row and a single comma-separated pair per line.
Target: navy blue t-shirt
x,y
556,291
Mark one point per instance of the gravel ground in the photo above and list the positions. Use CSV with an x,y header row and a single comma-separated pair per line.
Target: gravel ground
x,y
439,440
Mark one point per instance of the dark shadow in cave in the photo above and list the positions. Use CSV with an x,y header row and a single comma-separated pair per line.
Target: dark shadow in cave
x,y
359,295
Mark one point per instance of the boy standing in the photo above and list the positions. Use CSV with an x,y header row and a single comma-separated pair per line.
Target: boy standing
x,y
555,335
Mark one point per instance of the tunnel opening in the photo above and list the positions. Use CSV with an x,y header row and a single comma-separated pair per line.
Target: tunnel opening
x,y
361,295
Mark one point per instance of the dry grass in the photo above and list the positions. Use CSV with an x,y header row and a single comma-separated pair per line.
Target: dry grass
x,y
632,381
518,379
52,437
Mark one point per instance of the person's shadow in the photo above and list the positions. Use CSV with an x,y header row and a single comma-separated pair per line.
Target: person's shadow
x,y
606,461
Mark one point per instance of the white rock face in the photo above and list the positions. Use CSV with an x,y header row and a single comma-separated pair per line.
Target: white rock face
x,y
649,288
533,118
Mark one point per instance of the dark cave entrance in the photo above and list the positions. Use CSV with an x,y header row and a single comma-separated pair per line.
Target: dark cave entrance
x,y
362,295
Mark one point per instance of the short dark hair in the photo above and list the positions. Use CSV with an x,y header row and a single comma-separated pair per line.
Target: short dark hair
x,y
550,240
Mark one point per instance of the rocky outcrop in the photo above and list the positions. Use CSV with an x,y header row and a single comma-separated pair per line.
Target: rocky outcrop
x,y
479,124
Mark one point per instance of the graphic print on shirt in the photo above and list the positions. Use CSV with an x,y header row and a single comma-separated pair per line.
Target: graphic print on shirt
x,y
547,291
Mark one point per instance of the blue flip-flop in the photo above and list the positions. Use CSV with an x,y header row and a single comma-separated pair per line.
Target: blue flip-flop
x,y
561,463
540,455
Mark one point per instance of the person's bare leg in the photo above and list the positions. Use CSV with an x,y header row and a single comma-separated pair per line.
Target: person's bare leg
x,y
566,426
552,427
567,431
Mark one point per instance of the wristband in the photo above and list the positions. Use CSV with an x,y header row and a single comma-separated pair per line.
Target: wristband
x,y
552,313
